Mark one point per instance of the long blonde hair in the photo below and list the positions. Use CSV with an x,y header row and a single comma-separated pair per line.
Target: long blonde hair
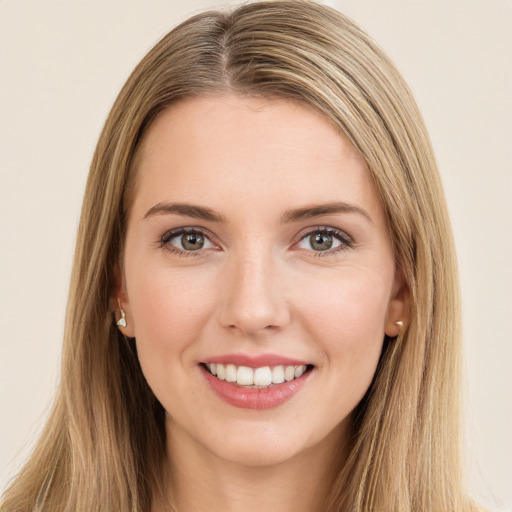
x,y
103,448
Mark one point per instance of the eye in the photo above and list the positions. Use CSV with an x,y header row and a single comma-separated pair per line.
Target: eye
x,y
186,240
325,240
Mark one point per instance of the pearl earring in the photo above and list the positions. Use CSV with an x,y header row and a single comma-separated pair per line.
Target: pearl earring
x,y
399,324
122,321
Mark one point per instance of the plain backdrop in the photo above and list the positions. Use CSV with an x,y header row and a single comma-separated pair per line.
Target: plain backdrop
x,y
62,64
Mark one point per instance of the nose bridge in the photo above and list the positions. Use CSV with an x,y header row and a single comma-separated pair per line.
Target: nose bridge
x,y
254,301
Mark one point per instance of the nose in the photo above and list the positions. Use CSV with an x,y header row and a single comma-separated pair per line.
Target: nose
x,y
255,300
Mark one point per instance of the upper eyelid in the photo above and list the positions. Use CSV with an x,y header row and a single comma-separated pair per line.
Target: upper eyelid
x,y
322,229
171,233
164,240
342,235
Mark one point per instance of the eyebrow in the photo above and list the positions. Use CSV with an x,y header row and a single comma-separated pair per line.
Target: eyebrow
x,y
203,213
323,209
188,210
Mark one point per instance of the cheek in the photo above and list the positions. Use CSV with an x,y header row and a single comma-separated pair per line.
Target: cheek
x,y
350,303
347,321
169,307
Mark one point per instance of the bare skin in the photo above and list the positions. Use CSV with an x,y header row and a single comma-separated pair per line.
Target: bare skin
x,y
255,229
201,481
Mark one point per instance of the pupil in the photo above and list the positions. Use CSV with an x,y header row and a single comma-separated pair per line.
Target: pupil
x,y
321,242
192,242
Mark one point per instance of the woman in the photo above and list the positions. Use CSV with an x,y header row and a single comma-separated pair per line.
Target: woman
x,y
263,311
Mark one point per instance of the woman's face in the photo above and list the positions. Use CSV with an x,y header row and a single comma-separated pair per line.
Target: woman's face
x,y
257,249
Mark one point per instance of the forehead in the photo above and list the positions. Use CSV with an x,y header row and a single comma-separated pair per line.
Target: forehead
x,y
249,150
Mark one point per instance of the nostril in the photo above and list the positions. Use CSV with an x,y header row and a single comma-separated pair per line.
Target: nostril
x,y
253,329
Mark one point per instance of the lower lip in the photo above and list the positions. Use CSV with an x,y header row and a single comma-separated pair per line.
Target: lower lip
x,y
253,398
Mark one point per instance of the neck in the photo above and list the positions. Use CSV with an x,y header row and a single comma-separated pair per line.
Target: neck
x,y
197,480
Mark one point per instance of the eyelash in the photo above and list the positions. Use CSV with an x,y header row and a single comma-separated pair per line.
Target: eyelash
x,y
346,242
167,237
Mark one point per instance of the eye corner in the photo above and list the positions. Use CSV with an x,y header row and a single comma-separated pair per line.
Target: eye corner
x,y
335,239
186,247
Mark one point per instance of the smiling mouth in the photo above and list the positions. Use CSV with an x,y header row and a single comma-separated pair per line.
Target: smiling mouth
x,y
256,378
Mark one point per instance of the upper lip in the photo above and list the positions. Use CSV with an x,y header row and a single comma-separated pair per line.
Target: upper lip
x,y
255,361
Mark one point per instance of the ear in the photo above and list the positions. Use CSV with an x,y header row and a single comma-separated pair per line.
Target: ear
x,y
398,310
119,301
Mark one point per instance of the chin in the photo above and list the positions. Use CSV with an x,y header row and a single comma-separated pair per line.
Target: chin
x,y
272,443
255,454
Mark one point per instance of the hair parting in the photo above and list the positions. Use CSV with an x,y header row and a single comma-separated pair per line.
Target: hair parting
x,y
103,447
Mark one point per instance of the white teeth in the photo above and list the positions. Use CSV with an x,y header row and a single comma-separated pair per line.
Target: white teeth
x,y
258,377
231,373
289,373
263,376
221,371
245,376
278,375
299,371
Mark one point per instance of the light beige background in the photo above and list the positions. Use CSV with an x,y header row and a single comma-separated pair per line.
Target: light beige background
x,y
61,66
